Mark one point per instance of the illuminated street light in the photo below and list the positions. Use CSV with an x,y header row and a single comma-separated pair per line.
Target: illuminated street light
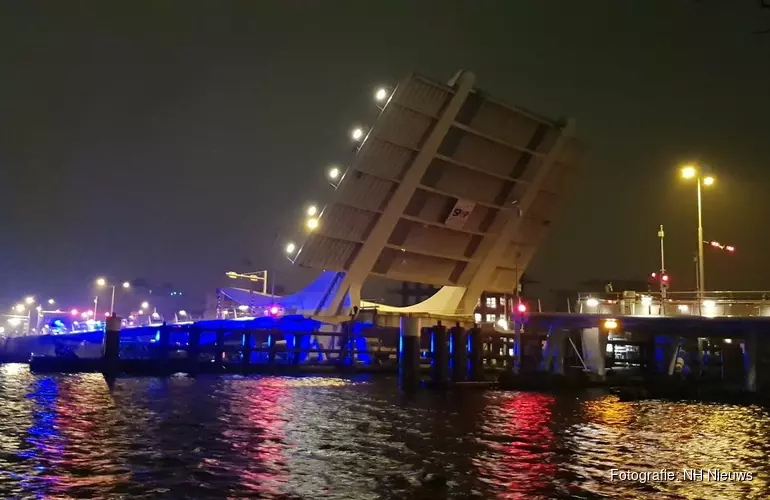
x,y
381,94
334,173
357,134
145,304
312,210
690,172
103,282
74,312
290,248
51,302
29,300
182,312
312,223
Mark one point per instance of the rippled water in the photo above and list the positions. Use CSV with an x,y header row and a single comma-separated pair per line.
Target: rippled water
x,y
274,437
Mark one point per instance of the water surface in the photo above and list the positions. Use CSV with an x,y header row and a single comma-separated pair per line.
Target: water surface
x,y
281,437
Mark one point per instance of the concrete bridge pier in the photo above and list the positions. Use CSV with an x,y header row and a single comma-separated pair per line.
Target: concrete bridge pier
x,y
594,342
667,349
554,351
757,362
409,368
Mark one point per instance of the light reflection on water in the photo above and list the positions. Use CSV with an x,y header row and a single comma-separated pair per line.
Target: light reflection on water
x,y
273,437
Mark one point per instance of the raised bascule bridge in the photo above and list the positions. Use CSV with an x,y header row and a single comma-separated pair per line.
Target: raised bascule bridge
x,y
454,188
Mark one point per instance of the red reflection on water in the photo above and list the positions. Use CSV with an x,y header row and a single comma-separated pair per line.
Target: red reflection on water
x,y
521,442
259,435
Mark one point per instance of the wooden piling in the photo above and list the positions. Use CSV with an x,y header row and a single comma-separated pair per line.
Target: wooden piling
x,y
440,364
459,342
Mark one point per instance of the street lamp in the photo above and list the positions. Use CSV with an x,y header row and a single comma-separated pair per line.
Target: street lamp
x,y
145,304
51,302
103,282
694,172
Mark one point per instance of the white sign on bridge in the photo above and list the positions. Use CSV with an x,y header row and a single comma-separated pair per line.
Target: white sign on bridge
x,y
460,213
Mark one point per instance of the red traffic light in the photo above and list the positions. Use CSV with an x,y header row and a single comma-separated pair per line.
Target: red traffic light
x,y
522,308
653,275
664,278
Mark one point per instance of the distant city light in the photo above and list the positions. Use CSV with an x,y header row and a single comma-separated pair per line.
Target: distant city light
x,y
89,313
708,181
683,308
381,94
145,304
14,321
101,282
502,323
126,284
243,308
74,312
19,308
646,300
610,324
274,310
51,302
730,248
357,134
312,210
182,312
290,248
522,308
29,300
334,173
106,315
312,223
592,302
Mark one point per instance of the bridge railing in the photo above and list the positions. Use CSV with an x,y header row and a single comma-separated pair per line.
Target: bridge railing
x,y
684,303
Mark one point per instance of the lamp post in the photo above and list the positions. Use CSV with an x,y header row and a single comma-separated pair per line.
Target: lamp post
x,y
103,282
694,172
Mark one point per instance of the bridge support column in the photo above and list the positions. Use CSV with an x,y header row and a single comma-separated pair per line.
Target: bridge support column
x,y
246,345
162,346
459,342
409,369
595,350
193,350
476,355
750,355
670,346
111,347
555,348
440,365
219,353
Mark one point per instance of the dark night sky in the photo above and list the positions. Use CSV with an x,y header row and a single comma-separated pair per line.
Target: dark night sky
x,y
172,141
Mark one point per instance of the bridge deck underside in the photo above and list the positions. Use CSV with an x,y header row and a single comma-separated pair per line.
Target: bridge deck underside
x,y
486,163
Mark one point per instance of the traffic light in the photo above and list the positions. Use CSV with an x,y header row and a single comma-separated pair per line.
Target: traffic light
x,y
520,312
664,281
